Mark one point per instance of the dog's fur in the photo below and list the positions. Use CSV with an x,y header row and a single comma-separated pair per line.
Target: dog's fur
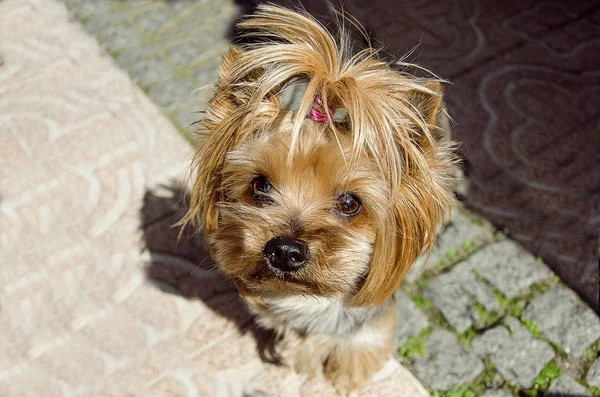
x,y
390,152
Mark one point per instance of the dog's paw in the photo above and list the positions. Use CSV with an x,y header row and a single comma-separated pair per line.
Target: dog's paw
x,y
349,369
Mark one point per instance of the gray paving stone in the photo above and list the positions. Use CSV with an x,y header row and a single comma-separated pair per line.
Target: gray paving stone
x,y
410,320
446,363
120,37
518,356
171,94
132,56
497,393
565,320
455,294
84,8
565,386
509,267
464,233
185,53
450,298
100,22
152,71
207,72
153,19
593,375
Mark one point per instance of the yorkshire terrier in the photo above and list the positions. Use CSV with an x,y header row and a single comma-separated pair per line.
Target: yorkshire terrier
x,y
323,174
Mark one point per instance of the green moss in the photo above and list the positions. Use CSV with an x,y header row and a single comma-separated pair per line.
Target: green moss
x,y
422,302
549,373
415,344
462,391
533,327
466,337
594,390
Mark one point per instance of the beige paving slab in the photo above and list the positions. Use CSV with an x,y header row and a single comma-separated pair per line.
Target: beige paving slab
x,y
79,146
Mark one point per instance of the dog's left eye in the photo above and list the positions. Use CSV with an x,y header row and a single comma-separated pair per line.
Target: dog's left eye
x,y
348,204
259,186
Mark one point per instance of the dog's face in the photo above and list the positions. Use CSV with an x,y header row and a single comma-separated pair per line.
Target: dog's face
x,y
293,204
304,224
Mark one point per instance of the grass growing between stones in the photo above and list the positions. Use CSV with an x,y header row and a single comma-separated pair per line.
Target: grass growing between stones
x,y
548,374
462,391
415,344
588,358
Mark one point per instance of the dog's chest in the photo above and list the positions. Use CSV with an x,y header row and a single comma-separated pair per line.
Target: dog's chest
x,y
312,315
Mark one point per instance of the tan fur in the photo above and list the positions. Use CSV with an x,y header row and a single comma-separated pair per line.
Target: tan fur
x,y
390,152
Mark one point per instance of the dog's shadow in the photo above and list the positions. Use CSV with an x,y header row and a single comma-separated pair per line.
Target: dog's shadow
x,y
180,264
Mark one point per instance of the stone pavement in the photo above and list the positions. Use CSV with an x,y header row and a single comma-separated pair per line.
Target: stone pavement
x,y
481,318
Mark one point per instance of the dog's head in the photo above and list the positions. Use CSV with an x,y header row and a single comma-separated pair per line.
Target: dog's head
x,y
335,195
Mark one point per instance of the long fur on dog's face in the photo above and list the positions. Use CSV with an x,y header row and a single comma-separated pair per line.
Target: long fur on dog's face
x,y
389,154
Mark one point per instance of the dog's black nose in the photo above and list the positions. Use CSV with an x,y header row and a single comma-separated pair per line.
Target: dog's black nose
x,y
286,254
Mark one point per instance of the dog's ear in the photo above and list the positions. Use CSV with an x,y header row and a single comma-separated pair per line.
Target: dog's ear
x,y
223,128
429,104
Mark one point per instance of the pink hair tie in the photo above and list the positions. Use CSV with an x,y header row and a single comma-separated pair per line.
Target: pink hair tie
x,y
320,116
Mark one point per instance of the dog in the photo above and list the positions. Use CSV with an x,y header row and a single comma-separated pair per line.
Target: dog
x,y
322,175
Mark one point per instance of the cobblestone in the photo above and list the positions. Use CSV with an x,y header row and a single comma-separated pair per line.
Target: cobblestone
x,y
565,386
462,235
497,393
410,320
550,311
508,267
185,53
593,375
101,22
455,304
127,59
152,71
446,363
153,19
516,353
120,37
171,94
456,294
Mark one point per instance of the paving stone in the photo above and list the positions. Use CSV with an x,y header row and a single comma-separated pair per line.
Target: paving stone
x,y
565,386
207,72
446,363
185,53
464,233
119,37
497,393
153,19
132,56
410,320
455,294
84,8
171,94
518,356
508,267
593,375
565,320
100,22
455,304
152,71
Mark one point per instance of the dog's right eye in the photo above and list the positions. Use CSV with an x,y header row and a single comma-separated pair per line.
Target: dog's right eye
x,y
259,187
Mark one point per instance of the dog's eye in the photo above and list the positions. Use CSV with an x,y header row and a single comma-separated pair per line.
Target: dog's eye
x,y
348,204
259,186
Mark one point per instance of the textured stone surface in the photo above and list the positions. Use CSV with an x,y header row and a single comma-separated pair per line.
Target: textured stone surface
x,y
593,375
446,364
455,304
464,232
457,292
565,386
516,353
508,267
410,320
565,320
497,393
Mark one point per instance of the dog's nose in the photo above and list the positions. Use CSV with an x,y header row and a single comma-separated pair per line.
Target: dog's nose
x,y
286,254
